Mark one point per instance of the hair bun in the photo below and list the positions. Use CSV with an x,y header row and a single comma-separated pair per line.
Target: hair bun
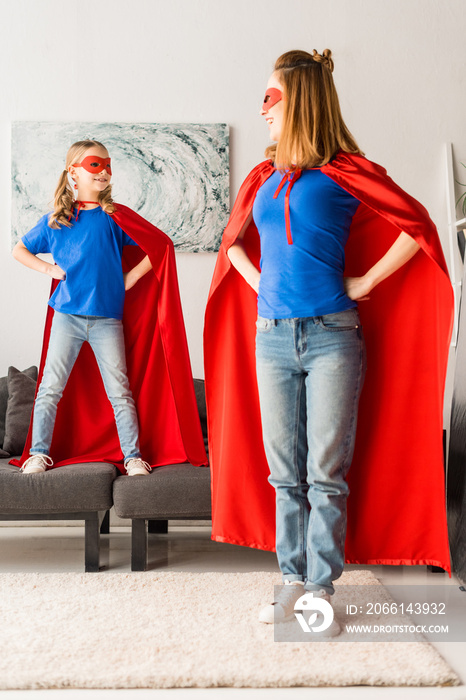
x,y
325,58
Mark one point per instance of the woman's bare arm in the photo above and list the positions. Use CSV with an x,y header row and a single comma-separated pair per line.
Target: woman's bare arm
x,y
404,248
241,261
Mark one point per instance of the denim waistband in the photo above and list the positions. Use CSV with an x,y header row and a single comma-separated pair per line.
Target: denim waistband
x,y
314,319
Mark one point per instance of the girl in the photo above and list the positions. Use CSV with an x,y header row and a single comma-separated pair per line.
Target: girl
x,y
315,193
87,246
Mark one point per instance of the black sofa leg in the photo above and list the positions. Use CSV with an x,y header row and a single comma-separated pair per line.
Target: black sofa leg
x,y
105,526
138,545
157,526
92,543
435,569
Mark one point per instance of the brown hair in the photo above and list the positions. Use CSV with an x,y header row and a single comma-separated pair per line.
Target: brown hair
x,y
313,128
64,196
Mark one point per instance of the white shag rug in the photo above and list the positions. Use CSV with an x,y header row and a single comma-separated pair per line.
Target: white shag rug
x,y
171,630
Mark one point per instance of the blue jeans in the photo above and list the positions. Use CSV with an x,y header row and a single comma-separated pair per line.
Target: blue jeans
x,y
310,373
105,336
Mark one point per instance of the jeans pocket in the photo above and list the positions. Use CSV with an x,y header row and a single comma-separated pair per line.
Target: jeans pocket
x,y
341,321
264,325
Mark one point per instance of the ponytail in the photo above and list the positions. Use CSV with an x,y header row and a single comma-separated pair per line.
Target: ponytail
x,y
105,200
62,203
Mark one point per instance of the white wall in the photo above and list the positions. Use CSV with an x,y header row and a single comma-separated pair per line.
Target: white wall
x,y
399,69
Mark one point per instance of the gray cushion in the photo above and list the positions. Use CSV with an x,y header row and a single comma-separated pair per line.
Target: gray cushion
x,y
30,372
173,491
3,405
21,392
199,389
70,489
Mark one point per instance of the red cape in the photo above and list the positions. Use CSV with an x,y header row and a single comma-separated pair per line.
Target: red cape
x,y
159,370
396,507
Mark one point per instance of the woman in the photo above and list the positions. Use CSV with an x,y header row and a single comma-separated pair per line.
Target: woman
x,y
310,353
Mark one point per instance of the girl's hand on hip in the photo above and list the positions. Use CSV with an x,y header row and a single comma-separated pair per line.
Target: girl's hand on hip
x,y
56,272
134,275
129,280
357,288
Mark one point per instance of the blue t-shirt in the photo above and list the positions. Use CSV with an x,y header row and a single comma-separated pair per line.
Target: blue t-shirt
x,y
90,253
305,278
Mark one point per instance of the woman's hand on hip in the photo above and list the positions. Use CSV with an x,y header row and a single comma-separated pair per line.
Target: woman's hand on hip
x,y
402,250
357,288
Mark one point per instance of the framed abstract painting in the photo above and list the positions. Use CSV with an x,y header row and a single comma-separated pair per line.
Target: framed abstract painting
x,y
174,175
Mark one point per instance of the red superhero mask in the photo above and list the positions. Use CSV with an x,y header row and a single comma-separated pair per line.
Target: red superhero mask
x,y
94,164
272,96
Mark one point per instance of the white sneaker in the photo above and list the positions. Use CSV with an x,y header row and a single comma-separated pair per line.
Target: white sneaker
x,y
37,463
335,627
282,609
136,466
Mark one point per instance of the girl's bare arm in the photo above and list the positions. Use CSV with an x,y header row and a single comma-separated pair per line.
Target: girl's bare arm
x,y
22,254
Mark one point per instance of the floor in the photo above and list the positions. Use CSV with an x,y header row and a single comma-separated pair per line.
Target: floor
x,y
187,547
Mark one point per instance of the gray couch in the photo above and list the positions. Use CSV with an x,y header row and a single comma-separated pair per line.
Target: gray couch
x,y
88,491
172,492
73,492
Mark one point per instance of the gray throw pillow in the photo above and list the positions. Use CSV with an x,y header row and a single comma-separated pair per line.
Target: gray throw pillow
x,y
3,405
21,392
29,372
199,390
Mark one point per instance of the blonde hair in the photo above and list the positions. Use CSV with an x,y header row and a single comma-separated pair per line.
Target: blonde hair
x,y
313,129
64,196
